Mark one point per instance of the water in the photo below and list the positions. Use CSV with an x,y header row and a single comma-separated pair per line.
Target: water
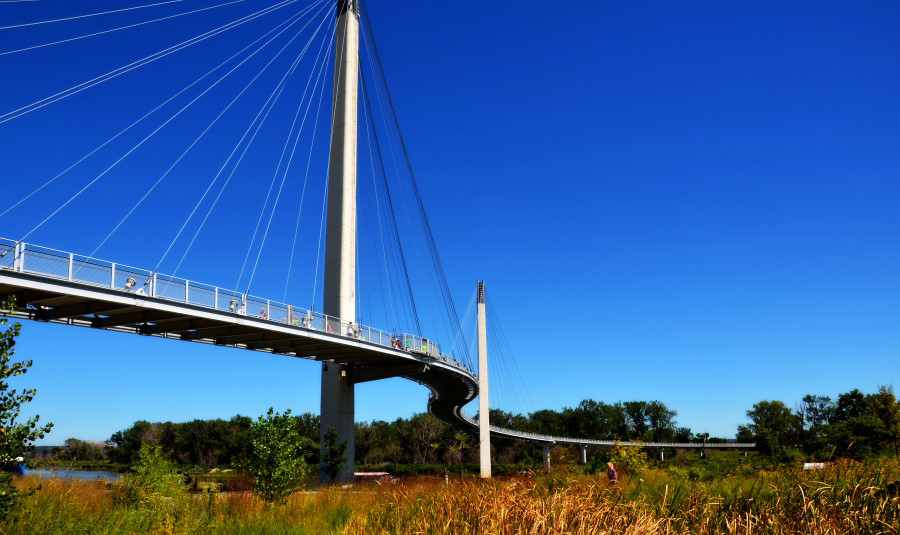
x,y
69,473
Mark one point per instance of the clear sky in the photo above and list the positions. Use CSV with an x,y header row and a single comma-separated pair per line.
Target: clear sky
x,y
693,202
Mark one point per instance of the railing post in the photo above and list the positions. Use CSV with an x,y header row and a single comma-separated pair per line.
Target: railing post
x,y
187,284
69,271
216,298
153,285
112,276
20,256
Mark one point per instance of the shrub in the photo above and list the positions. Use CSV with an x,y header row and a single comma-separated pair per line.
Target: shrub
x,y
153,480
15,436
278,459
631,458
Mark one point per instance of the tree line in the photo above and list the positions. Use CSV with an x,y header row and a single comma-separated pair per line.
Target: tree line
x,y
854,425
419,439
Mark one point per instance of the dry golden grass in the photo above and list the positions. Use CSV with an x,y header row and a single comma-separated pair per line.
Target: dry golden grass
x,y
845,499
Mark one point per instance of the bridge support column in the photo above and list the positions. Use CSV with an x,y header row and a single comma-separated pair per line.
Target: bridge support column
x,y
662,455
583,451
484,425
340,235
547,446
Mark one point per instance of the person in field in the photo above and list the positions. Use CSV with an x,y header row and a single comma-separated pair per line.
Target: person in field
x,y
612,475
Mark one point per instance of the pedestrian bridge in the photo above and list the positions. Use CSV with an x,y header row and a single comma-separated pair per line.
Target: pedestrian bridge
x,y
66,288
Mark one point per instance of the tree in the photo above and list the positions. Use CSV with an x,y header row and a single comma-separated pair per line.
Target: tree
x,y
887,409
636,413
456,448
424,431
81,450
15,437
815,410
773,426
852,404
278,457
123,446
661,420
333,457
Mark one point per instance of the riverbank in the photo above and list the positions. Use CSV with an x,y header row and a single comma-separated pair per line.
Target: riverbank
x,y
845,497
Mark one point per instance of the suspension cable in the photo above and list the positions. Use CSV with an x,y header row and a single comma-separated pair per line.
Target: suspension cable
x,y
293,20
219,173
61,41
448,297
88,15
46,101
393,214
148,114
290,161
283,85
135,147
306,173
374,199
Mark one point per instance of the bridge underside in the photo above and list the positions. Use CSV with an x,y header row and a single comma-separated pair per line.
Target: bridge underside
x,y
82,305
73,303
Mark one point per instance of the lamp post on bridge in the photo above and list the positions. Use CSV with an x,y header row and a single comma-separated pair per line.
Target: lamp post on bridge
x,y
337,403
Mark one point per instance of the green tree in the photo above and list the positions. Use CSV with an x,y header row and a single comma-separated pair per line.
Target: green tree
x,y
773,426
278,458
123,446
636,412
661,420
852,404
333,454
15,437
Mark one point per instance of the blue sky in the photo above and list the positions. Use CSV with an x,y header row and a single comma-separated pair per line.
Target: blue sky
x,y
692,203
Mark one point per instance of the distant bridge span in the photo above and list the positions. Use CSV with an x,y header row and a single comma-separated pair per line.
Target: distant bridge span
x,y
60,287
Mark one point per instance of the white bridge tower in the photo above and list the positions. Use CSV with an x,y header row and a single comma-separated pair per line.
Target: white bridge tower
x,y
337,408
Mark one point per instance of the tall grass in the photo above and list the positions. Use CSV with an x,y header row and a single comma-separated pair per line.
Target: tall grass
x,y
847,498
844,499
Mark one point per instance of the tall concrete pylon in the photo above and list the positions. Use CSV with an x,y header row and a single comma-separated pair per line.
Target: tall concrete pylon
x,y
337,407
484,426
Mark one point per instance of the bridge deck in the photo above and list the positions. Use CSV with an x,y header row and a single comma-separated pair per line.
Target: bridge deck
x,y
58,287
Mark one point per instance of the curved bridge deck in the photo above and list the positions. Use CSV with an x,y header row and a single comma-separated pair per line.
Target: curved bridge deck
x,y
59,287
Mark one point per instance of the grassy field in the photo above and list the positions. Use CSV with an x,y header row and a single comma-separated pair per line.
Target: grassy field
x,y
845,498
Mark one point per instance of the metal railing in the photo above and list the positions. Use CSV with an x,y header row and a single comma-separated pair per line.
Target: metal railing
x,y
61,265
552,439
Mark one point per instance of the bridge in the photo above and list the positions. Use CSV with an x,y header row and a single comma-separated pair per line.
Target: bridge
x,y
65,288
70,288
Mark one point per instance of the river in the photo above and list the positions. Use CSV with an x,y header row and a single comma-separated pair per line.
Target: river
x,y
69,473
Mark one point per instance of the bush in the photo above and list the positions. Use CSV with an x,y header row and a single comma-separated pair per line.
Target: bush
x,y
153,481
597,463
277,462
631,458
